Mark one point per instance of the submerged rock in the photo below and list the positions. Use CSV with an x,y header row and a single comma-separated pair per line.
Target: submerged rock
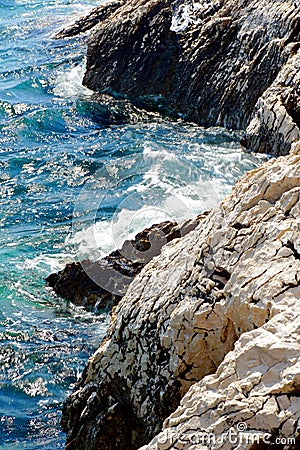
x,y
99,285
223,289
229,63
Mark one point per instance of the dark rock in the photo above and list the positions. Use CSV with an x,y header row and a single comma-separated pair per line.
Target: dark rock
x,y
73,284
111,410
99,285
214,71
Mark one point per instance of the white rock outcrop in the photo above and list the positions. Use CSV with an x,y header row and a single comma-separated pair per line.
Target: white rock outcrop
x,y
235,278
253,398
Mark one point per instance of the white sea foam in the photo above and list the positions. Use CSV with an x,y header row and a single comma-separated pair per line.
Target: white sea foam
x,y
68,83
170,188
92,242
184,14
182,18
100,238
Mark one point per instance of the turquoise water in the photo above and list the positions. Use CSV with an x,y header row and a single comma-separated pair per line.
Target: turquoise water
x,y
54,141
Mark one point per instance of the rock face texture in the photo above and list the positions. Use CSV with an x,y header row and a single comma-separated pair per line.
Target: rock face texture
x,y
99,285
205,342
234,279
277,112
233,63
84,24
253,398
133,45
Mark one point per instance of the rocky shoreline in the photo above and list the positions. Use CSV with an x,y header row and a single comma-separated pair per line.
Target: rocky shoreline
x,y
206,336
227,63
226,282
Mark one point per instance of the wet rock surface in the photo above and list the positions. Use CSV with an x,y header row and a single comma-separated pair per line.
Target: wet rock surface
x,y
217,62
229,287
99,285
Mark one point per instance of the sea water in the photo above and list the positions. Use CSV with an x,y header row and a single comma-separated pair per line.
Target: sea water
x,y
76,180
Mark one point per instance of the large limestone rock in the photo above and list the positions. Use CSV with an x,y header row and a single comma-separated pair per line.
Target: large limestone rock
x,y
238,270
216,62
253,398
